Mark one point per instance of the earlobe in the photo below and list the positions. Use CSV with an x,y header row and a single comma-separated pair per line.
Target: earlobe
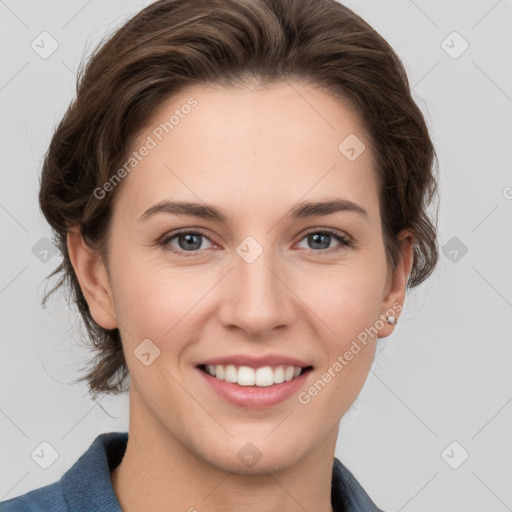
x,y
394,300
93,278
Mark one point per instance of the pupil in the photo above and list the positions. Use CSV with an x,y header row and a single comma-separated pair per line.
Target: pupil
x,y
318,238
192,242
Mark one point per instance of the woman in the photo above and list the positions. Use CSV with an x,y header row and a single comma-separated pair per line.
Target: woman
x,y
239,193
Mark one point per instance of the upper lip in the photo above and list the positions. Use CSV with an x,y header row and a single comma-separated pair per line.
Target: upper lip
x,y
256,361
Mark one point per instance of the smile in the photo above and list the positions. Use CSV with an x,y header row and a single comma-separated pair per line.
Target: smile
x,y
264,376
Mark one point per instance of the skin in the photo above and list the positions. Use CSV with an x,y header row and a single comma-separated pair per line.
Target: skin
x,y
254,153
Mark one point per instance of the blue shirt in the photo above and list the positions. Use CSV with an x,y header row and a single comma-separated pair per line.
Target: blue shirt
x,y
87,486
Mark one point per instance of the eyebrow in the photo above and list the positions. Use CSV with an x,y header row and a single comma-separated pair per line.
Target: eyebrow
x,y
299,211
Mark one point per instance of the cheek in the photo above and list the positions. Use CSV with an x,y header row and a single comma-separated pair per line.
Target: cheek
x,y
348,301
349,305
150,295
346,298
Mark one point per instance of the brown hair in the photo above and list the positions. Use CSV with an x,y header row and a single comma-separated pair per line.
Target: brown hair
x,y
172,44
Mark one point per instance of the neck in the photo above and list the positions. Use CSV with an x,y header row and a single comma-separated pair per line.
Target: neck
x,y
158,471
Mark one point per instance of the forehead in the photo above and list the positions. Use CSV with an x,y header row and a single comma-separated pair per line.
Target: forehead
x,y
246,145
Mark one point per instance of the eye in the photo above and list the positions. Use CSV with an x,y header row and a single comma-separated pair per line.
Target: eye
x,y
321,240
187,241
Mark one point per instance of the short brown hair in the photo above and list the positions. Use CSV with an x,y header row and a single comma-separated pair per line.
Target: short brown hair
x,y
172,44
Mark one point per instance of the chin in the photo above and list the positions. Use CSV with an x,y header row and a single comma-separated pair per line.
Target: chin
x,y
265,465
259,456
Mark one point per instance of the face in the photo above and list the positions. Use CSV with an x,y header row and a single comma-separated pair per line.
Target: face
x,y
251,277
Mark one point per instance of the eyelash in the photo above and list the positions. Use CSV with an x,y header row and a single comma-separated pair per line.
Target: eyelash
x,y
344,241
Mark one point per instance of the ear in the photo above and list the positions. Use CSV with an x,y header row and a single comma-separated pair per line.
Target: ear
x,y
93,278
397,281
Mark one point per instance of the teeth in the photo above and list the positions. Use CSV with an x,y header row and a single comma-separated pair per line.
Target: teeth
x,y
288,373
219,372
230,373
247,376
264,376
279,375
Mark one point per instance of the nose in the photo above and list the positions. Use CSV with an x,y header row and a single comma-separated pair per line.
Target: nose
x,y
257,299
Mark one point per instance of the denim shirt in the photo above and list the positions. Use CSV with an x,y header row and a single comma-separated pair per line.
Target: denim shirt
x,y
87,486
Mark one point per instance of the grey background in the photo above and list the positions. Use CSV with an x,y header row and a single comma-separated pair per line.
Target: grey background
x,y
443,376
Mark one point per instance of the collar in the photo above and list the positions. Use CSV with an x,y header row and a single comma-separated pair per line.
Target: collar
x,y
87,484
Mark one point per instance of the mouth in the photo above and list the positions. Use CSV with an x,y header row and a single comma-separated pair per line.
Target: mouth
x,y
254,381
264,376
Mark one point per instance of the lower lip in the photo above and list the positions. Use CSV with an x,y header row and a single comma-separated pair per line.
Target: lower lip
x,y
255,397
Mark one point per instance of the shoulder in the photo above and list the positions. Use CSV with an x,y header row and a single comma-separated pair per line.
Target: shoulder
x,y
85,486
49,497
347,493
